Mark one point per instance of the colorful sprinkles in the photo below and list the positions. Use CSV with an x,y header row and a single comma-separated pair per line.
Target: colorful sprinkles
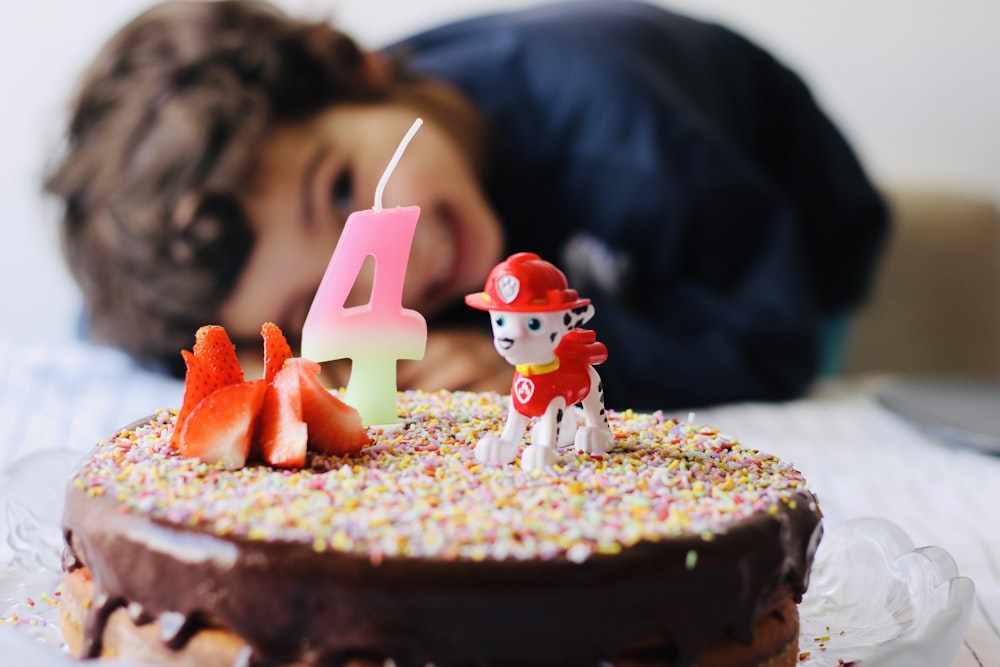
x,y
32,612
420,492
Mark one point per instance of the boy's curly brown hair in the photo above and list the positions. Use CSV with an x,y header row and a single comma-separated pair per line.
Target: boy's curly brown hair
x,y
162,136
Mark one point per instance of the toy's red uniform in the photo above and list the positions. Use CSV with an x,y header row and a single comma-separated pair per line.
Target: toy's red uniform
x,y
577,352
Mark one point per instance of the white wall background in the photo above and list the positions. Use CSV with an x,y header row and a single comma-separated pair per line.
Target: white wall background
x,y
913,83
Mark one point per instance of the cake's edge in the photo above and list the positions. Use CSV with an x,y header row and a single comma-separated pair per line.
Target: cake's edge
x,y
428,611
775,642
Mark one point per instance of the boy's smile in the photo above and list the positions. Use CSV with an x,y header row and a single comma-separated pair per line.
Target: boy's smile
x,y
311,176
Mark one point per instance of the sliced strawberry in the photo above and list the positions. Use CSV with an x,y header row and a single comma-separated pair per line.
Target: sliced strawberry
x,y
276,350
199,382
334,426
282,434
211,366
221,426
213,345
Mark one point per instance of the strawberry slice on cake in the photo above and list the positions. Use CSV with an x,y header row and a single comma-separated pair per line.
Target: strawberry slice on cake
x,y
334,426
220,428
283,434
225,419
211,365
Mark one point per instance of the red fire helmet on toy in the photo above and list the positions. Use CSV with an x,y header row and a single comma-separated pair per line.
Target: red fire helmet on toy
x,y
525,282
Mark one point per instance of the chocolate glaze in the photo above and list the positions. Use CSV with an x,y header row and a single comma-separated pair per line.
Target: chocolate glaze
x,y
290,603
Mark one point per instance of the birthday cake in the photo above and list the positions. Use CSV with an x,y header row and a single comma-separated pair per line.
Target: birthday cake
x,y
679,545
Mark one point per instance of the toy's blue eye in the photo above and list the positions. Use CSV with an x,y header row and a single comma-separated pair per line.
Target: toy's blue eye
x,y
534,324
499,320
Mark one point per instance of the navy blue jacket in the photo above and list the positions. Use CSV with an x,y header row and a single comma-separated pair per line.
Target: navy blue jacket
x,y
683,179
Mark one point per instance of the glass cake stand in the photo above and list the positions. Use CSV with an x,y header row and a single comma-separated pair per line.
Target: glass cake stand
x,y
873,598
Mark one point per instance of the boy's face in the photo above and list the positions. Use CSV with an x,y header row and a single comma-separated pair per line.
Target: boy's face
x,y
311,176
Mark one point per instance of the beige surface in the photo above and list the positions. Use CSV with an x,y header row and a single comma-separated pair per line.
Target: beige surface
x,y
935,308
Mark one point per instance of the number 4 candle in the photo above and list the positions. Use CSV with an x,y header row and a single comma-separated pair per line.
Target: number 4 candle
x,y
377,334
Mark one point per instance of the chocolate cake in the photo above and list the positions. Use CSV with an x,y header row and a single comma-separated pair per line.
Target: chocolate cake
x,y
680,546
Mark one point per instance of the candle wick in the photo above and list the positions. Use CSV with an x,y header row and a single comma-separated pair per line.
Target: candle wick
x,y
394,161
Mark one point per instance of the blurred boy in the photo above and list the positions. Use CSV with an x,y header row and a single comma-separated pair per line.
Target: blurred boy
x,y
684,180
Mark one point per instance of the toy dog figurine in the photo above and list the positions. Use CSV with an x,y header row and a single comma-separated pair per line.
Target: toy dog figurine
x,y
535,319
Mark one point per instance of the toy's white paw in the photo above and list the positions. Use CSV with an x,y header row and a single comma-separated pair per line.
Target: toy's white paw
x,y
496,450
567,432
543,433
538,457
595,440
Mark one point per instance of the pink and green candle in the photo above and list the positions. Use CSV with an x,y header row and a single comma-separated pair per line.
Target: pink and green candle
x,y
375,335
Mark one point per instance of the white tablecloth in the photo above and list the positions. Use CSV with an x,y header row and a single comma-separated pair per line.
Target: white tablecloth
x,y
859,459
862,460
